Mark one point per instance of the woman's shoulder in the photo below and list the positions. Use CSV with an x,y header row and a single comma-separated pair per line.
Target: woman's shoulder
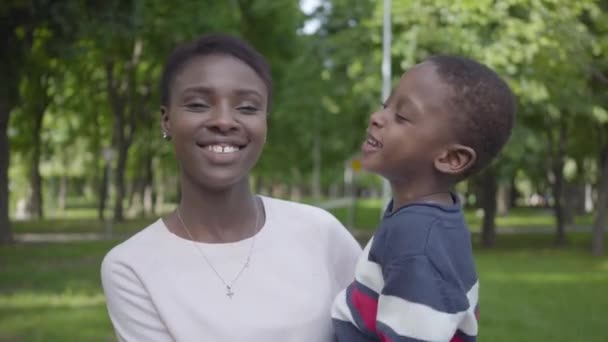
x,y
137,247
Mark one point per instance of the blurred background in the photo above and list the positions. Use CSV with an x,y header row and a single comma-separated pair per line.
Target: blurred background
x,y
79,117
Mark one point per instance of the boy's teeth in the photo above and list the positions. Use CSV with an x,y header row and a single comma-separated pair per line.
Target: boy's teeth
x,y
222,148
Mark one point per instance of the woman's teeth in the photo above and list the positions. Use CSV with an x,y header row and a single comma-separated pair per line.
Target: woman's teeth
x,y
222,148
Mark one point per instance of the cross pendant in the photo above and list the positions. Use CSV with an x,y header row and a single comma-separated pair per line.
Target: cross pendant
x,y
229,292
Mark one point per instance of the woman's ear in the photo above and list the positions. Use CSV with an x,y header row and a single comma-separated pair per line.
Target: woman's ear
x,y
456,160
165,123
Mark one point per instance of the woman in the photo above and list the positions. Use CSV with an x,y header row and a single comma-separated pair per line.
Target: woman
x,y
226,265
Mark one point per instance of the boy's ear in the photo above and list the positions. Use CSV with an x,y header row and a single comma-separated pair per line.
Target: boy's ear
x,y
455,160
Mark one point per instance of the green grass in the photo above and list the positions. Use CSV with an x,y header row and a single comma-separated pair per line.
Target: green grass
x,y
52,292
80,219
529,292
78,225
367,216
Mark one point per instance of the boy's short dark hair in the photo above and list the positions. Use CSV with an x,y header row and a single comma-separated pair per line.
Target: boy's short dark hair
x,y
483,104
218,43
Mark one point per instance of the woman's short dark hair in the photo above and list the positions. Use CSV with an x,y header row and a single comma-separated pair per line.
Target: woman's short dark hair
x,y
213,44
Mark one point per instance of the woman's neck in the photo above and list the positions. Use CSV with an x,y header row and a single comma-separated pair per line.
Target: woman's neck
x,y
219,215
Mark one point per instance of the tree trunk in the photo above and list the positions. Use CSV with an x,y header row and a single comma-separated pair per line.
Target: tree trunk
x,y
103,191
316,159
558,186
6,234
35,204
125,108
599,224
12,56
119,181
122,132
159,188
63,192
489,191
133,188
502,198
147,188
513,193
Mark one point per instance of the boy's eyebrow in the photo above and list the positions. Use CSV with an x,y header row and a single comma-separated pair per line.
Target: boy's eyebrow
x,y
405,101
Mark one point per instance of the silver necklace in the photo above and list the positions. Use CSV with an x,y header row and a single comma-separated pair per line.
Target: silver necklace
x,y
229,285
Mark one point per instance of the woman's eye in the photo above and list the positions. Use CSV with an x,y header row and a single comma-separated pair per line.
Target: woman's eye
x,y
247,109
197,106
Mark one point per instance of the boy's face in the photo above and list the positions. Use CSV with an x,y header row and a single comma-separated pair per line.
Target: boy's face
x,y
405,137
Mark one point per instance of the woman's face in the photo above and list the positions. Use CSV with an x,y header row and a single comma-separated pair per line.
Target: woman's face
x,y
216,118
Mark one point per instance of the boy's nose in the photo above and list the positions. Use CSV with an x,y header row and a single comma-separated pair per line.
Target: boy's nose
x,y
376,119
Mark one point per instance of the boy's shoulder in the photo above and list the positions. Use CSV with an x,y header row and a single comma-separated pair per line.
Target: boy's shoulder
x,y
419,229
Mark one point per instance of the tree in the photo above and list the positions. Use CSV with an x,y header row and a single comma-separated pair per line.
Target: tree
x,y
13,15
596,20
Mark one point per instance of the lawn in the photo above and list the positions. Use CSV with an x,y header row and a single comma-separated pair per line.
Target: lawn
x,y
529,292
51,292
367,214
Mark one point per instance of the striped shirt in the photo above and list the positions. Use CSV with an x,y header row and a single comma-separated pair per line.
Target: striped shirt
x,y
415,281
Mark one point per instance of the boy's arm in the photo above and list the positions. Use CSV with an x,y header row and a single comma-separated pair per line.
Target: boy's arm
x,y
418,304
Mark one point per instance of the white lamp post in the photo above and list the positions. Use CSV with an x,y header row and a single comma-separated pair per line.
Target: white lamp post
x,y
386,82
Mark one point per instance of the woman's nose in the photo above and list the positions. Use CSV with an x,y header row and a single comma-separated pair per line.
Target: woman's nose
x,y
223,120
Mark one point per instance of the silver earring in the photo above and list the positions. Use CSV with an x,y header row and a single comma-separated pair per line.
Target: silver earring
x,y
166,136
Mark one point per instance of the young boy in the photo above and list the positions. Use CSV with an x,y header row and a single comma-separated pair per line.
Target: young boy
x,y
416,281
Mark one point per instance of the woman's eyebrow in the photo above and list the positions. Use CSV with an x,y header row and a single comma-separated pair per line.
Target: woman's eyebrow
x,y
198,89
244,92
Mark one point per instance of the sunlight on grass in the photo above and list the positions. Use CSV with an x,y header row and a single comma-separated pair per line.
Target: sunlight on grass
x,y
603,266
83,219
30,300
546,278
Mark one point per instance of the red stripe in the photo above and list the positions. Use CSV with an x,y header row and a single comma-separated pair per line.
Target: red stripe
x,y
366,306
383,338
457,338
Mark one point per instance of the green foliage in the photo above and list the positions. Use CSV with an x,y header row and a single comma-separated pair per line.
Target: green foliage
x,y
551,52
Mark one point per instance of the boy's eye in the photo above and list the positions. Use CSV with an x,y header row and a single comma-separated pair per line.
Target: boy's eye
x,y
401,118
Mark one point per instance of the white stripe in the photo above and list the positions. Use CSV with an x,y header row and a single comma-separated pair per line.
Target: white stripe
x,y
469,322
369,273
340,309
422,322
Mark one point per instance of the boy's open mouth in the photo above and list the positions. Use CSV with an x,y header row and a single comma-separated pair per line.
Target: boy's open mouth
x,y
372,141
